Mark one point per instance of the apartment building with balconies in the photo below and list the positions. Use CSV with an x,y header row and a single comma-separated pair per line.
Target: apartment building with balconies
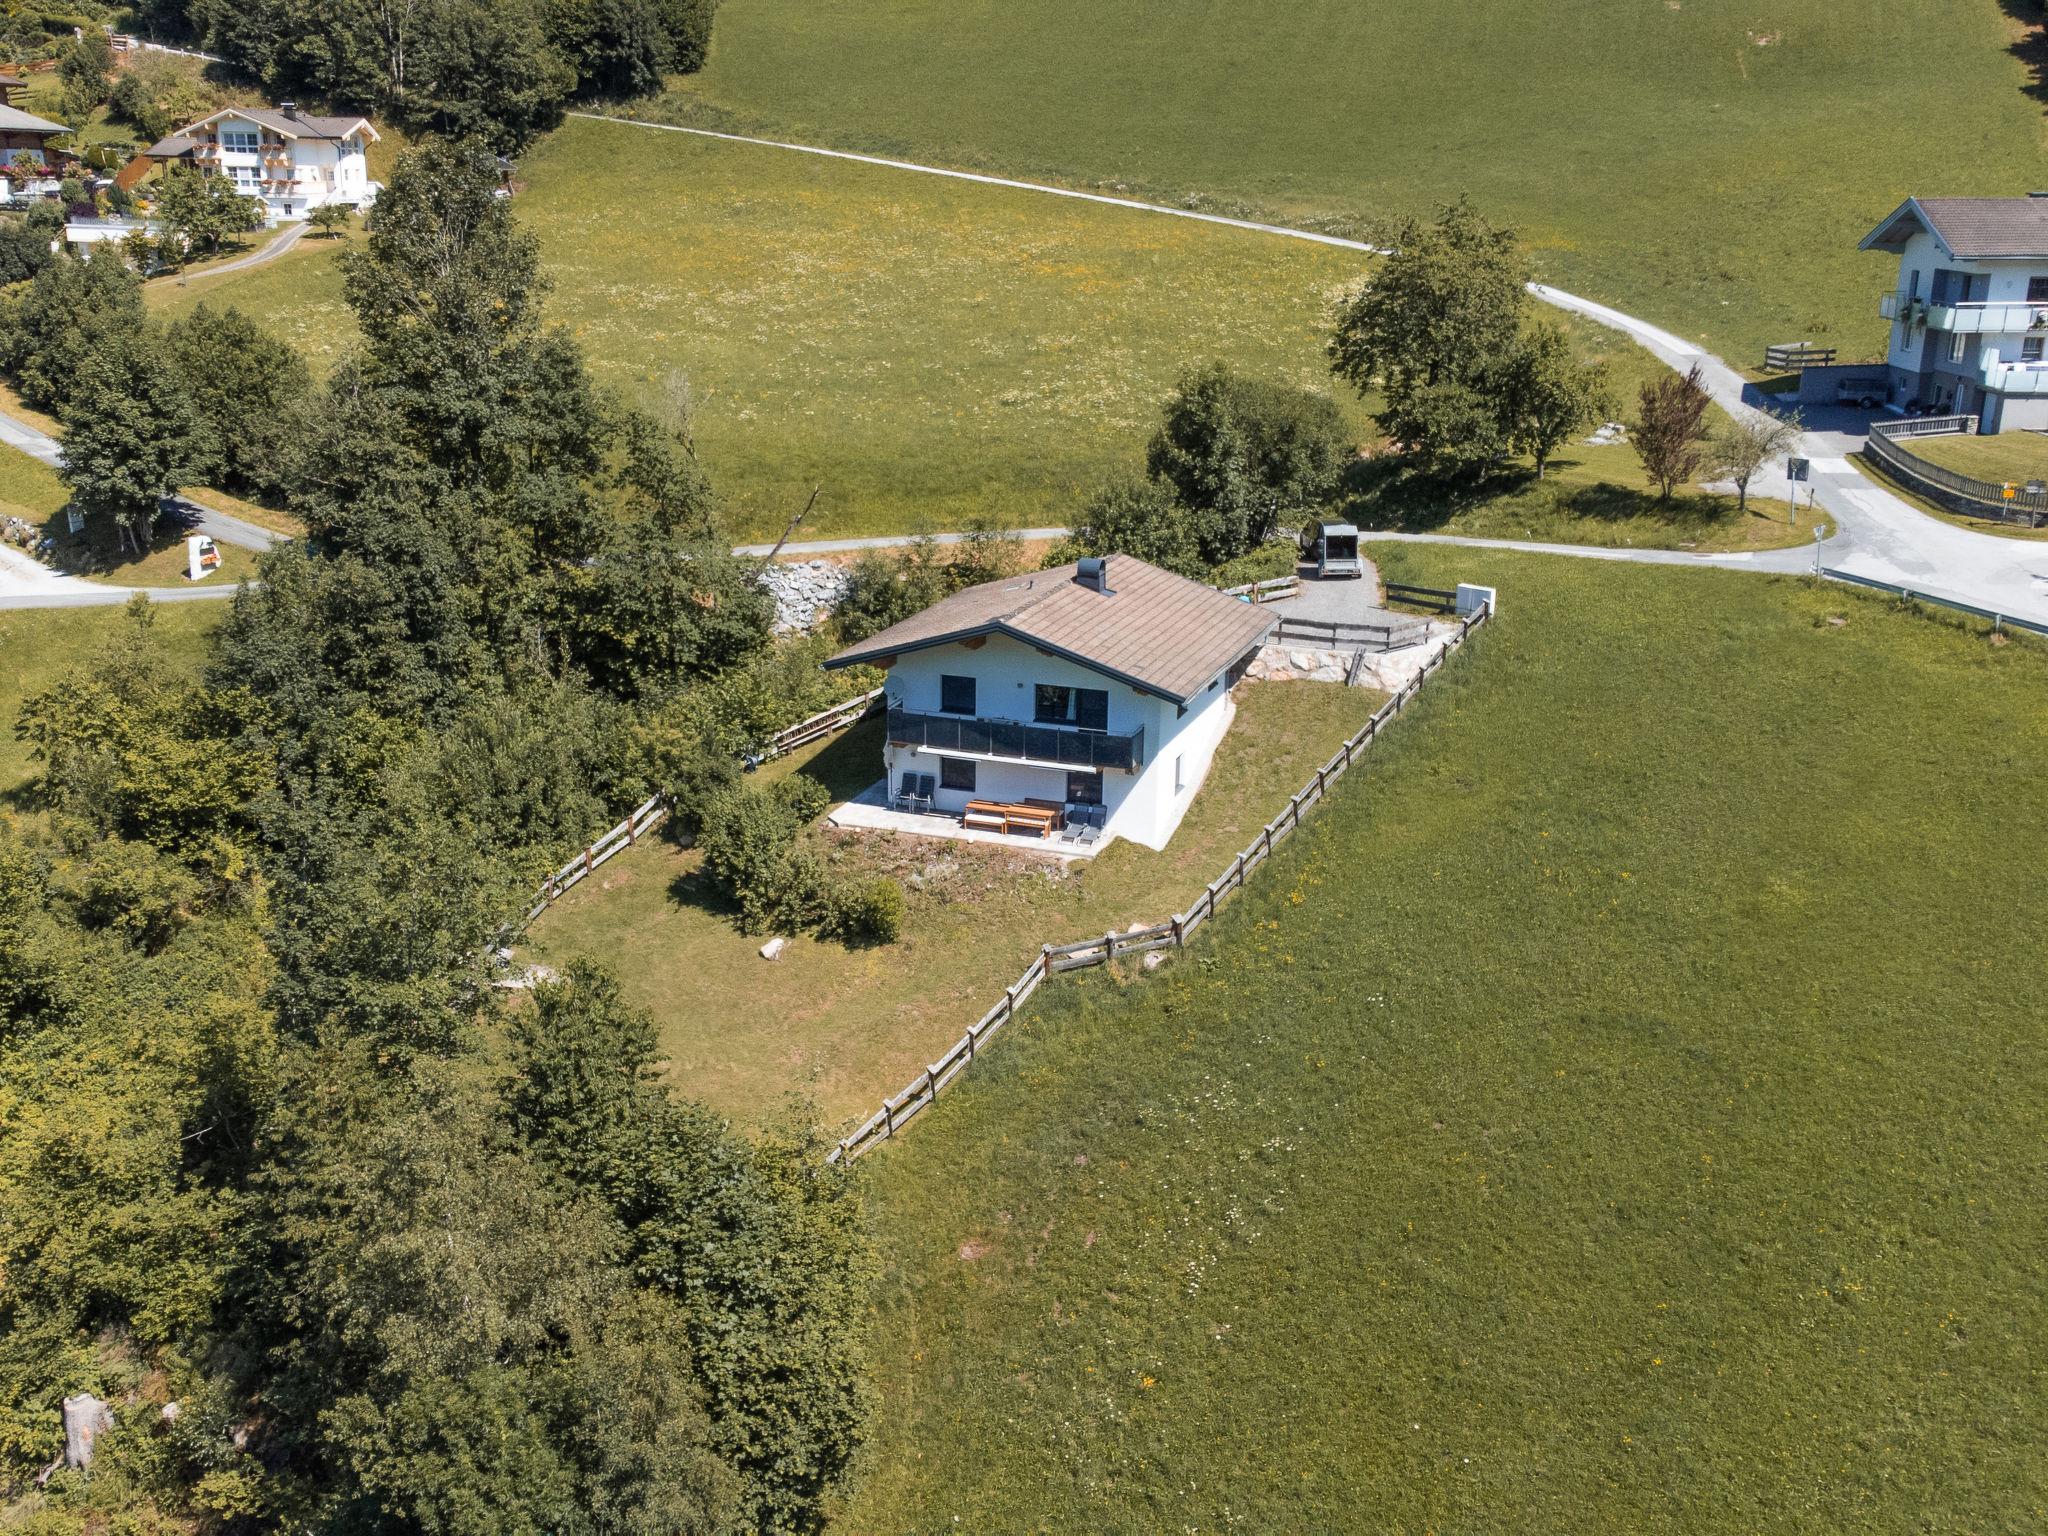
x,y
293,161
1969,310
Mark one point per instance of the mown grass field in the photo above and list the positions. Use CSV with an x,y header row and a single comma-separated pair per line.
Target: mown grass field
x,y
2015,456
847,1026
1707,164
926,351
1621,1110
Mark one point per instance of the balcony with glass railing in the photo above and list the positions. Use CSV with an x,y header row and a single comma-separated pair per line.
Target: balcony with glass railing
x,y
1978,317
1012,741
2014,378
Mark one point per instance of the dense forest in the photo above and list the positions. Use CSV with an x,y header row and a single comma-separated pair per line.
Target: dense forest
x,y
498,70
347,1236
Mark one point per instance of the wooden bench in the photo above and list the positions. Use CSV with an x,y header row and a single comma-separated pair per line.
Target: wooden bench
x,y
1038,818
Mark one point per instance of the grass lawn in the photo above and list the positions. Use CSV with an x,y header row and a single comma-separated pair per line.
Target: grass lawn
x,y
924,350
1709,165
38,646
1621,1110
2015,456
847,1026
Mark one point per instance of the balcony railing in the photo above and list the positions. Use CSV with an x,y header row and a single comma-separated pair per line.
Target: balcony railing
x,y
1011,740
2014,378
1986,317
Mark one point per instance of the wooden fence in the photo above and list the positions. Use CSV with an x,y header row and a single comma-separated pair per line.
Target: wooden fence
x,y
1435,599
1052,959
645,818
1958,492
1790,357
1265,591
1338,635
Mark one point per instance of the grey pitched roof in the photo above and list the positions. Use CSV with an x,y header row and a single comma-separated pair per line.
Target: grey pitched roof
x,y
1969,228
14,120
1158,632
172,148
303,125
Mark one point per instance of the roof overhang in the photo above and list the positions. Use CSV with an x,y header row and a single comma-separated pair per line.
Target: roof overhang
x,y
1899,226
244,115
857,657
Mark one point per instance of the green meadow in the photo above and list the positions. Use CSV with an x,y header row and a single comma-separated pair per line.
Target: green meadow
x,y
1619,1110
1709,164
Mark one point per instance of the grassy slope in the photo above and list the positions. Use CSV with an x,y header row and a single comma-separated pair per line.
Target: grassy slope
x,y
1710,165
1620,1111
920,348
2016,456
847,1026
924,350
38,646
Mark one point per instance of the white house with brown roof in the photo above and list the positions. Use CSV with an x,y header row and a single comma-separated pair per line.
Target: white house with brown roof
x,y
1095,693
1969,311
294,161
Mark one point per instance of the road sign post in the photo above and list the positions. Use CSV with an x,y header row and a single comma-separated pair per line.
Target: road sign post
x,y
1795,472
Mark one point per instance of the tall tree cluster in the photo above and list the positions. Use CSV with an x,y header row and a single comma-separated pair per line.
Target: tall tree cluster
x,y
499,70
404,1257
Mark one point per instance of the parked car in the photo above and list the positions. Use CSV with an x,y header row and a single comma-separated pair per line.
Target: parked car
x,y
1332,548
1867,393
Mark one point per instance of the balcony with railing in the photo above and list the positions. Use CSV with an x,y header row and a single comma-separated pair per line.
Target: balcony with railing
x,y
2020,378
1012,741
1978,317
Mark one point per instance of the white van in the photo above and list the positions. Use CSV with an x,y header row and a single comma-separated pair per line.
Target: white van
x,y
1332,548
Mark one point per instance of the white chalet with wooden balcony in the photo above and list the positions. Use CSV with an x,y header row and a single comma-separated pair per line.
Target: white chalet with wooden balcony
x,y
293,161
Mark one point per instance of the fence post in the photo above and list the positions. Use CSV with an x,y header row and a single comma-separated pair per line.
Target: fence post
x,y
589,861
1109,945
1179,939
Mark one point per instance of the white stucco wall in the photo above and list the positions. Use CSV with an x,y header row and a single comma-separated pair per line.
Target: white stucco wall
x,y
1145,806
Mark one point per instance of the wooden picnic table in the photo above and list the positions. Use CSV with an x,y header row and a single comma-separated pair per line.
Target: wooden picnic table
x,y
1039,817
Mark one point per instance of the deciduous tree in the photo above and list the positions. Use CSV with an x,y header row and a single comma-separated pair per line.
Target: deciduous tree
x,y
1548,395
1670,433
131,434
1749,441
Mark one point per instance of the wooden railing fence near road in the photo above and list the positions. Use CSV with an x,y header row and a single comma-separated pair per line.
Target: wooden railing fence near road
x,y
1789,357
645,818
1053,959
1265,591
1435,599
1958,492
1341,635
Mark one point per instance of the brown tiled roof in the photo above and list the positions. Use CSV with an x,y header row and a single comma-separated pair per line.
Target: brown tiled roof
x,y
1973,228
1159,632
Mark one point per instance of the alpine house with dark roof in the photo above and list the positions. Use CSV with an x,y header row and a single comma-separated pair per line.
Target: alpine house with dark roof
x,y
1095,690
1969,311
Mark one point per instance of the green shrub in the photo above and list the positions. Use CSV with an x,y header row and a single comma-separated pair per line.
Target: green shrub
x,y
803,796
868,911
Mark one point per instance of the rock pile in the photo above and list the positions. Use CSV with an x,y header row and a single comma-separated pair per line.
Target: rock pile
x,y
805,591
1610,432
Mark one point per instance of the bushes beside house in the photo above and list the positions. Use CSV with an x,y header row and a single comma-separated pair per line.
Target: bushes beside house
x,y
758,852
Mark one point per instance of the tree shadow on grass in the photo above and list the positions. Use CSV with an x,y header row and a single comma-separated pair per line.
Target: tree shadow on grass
x,y
2031,48
851,761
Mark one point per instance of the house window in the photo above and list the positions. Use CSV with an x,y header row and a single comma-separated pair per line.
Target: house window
x,y
1086,707
2037,290
956,695
1955,347
238,141
956,773
2030,349
1084,789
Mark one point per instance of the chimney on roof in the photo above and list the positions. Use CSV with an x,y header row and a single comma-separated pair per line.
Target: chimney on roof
x,y
290,109
1092,572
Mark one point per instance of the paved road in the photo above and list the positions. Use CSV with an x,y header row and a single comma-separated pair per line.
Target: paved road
x,y
293,234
